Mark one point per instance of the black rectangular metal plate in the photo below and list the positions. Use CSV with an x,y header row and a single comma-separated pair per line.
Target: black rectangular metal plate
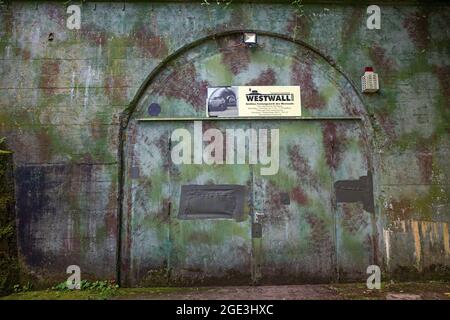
x,y
212,202
256,230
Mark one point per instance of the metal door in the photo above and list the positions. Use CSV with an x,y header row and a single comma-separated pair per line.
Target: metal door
x,y
303,223
305,235
210,226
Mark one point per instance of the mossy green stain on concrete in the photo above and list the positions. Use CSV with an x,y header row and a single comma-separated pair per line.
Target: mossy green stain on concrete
x,y
217,70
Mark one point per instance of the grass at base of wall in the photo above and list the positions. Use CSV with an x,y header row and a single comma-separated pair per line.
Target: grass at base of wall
x,y
129,293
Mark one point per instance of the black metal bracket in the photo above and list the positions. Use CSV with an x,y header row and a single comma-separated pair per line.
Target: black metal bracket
x,y
360,190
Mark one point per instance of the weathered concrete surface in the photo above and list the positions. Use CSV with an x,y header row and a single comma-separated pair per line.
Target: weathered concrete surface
x,y
60,104
281,292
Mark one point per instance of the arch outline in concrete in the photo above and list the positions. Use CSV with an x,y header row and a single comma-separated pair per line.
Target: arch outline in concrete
x,y
127,114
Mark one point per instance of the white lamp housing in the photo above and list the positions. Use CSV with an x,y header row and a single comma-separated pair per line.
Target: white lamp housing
x,y
369,81
250,39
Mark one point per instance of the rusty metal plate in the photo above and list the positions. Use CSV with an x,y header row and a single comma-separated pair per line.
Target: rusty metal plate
x,y
360,190
256,230
211,201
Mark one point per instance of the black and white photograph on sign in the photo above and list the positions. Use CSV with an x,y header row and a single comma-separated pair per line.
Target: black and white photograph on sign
x,y
222,102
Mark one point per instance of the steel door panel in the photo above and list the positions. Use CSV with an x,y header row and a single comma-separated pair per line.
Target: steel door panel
x,y
210,250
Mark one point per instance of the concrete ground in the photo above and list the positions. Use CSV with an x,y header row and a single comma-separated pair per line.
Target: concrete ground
x,y
403,291
293,292
431,290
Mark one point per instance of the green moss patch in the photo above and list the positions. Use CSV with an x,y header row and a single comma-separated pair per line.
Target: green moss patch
x,y
93,294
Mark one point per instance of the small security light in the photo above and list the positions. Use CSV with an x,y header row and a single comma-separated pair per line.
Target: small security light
x,y
369,81
250,39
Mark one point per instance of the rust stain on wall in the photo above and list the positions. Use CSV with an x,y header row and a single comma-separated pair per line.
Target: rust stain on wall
x,y
152,46
179,82
425,158
266,78
417,26
234,55
302,74
299,196
49,76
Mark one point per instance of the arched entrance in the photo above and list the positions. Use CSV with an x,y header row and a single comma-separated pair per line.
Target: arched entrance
x,y
304,233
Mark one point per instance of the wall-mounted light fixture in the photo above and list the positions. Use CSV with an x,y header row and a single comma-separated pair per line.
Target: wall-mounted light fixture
x,y
369,81
250,39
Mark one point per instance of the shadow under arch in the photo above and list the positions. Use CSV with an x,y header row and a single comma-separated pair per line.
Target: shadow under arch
x,y
127,114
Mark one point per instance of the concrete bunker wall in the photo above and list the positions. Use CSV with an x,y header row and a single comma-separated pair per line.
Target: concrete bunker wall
x,y
61,103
